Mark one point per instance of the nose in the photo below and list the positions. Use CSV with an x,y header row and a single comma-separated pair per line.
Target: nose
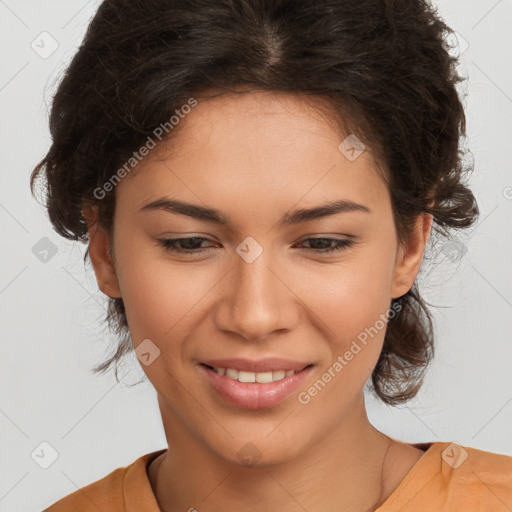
x,y
255,299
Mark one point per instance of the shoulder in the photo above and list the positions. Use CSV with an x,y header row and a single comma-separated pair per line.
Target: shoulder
x,y
452,477
97,495
490,461
484,475
128,484
476,479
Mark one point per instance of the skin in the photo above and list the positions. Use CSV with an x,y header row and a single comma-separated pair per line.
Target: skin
x,y
255,157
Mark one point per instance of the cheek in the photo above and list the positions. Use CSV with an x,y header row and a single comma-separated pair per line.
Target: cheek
x,y
165,301
158,295
352,301
352,296
160,299
354,308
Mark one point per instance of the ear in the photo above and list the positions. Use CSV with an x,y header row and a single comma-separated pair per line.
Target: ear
x,y
410,256
100,254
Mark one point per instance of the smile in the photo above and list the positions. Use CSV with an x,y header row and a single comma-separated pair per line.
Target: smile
x,y
261,377
254,384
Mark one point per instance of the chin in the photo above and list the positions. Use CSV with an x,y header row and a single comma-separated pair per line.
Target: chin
x,y
259,452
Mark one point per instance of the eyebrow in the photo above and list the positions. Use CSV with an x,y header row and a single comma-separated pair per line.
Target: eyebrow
x,y
218,217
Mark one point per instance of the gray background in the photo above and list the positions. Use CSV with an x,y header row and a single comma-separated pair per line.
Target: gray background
x,y
52,313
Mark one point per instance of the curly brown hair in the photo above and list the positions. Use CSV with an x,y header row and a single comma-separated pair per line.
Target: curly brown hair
x,y
381,68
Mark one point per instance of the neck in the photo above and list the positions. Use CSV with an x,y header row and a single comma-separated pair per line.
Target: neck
x,y
346,471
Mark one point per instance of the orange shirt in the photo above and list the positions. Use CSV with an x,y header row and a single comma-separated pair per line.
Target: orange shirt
x,y
447,477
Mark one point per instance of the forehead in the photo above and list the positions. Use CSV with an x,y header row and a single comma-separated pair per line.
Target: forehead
x,y
271,118
263,147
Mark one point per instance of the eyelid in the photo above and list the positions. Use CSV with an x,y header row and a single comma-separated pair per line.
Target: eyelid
x,y
337,245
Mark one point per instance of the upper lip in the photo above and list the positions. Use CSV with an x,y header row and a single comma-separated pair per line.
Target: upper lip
x,y
269,364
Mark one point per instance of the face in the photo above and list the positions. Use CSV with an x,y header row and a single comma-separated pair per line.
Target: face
x,y
259,284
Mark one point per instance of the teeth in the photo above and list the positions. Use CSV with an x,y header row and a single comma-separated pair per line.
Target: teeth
x,y
246,376
264,377
232,374
261,377
280,375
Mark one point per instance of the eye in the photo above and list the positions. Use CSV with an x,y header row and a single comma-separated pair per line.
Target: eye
x,y
327,245
171,244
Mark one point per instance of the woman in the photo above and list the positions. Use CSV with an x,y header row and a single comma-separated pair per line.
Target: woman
x,y
257,181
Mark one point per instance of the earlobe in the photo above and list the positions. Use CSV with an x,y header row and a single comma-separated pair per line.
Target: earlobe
x,y
410,256
100,255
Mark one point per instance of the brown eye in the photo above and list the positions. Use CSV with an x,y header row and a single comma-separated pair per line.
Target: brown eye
x,y
190,244
328,244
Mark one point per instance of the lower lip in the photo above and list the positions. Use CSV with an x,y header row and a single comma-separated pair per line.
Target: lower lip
x,y
254,395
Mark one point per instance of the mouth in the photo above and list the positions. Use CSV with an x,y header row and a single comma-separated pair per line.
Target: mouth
x,y
255,384
260,377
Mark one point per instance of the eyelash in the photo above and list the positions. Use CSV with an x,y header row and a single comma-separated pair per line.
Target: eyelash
x,y
170,245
